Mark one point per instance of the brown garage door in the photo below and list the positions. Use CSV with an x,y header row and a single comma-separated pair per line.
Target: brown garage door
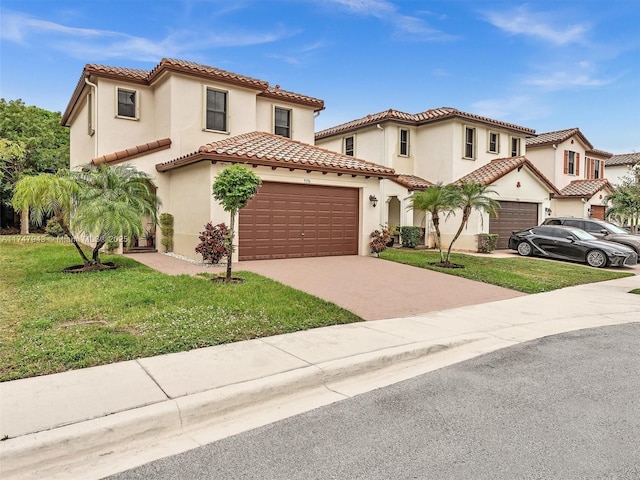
x,y
512,216
598,211
287,221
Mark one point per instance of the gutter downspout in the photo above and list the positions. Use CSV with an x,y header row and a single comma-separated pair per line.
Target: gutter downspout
x,y
94,112
383,197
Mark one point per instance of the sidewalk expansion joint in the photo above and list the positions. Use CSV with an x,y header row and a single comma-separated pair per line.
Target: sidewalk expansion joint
x,y
153,379
285,351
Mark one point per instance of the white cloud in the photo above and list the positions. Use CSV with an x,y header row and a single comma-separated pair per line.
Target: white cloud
x,y
564,80
404,24
515,108
549,27
102,44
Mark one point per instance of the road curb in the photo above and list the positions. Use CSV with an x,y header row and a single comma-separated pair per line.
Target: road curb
x,y
62,447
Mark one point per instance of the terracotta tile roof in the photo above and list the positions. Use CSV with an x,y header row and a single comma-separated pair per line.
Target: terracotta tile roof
x,y
422,118
133,152
277,93
623,159
412,182
600,153
585,188
499,167
184,66
266,149
148,77
551,138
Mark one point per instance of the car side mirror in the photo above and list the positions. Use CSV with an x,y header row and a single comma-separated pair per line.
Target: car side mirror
x,y
604,231
570,238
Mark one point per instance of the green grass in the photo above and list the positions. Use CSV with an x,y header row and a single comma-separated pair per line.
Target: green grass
x,y
529,275
52,321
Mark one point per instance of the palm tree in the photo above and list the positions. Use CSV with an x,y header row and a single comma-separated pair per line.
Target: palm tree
x,y
435,200
625,205
47,195
112,202
101,202
469,197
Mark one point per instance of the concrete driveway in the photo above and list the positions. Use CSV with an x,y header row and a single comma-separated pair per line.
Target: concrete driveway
x,y
372,288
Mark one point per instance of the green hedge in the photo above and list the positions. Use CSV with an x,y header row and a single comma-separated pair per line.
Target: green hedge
x,y
410,236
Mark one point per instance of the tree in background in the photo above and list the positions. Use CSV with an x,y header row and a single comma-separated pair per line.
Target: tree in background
x,y
233,188
32,141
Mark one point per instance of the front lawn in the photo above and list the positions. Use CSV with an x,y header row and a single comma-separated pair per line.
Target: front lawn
x,y
52,321
529,275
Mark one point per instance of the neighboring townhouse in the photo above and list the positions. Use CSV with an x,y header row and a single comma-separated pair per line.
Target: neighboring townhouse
x,y
447,145
619,167
576,168
183,122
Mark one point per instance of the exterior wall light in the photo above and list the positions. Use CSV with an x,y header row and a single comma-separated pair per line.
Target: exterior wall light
x,y
374,200
547,210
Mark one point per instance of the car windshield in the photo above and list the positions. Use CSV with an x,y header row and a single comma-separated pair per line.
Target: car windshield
x,y
615,229
582,235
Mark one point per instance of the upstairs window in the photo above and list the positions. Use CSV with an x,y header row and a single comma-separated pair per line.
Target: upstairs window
x,y
349,146
515,147
494,142
216,110
594,169
282,122
404,142
469,142
571,163
127,103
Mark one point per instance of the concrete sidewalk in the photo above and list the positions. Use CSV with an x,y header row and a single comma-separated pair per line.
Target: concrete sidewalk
x,y
94,422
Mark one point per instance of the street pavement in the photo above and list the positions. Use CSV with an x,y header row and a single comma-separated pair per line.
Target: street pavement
x,y
561,407
94,422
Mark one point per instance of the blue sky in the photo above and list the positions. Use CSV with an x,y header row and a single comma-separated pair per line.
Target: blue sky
x,y
547,65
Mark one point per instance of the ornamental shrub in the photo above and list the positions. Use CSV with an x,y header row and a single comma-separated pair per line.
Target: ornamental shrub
x,y
166,229
410,236
213,242
53,228
379,240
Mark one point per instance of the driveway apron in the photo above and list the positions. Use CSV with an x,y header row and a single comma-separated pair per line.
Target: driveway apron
x,y
372,288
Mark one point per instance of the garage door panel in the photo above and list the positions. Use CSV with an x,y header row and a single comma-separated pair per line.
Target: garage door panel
x,y
512,216
274,221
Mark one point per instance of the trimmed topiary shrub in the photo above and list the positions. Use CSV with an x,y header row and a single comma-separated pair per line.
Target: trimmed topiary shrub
x,y
410,236
166,229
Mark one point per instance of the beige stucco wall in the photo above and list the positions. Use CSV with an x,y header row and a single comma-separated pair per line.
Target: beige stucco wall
x,y
192,204
577,207
616,174
83,145
302,119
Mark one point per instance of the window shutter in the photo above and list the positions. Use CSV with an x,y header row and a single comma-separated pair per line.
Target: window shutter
x,y
566,162
601,168
577,166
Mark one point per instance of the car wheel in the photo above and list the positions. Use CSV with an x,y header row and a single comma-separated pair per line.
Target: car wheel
x,y
597,258
524,249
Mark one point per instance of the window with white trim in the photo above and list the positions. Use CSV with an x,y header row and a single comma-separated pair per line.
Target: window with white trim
x,y
282,122
404,142
348,146
127,105
216,108
493,142
515,146
469,142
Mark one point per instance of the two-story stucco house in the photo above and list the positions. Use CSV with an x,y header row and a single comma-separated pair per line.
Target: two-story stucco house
x,y
618,167
447,145
576,168
183,122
